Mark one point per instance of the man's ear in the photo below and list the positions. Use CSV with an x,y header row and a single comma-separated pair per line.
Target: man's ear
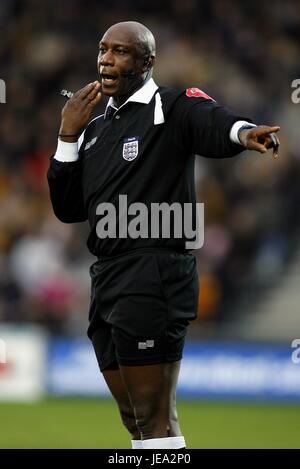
x,y
149,61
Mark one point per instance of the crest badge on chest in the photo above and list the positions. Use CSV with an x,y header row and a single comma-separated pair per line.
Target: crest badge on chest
x,y
130,148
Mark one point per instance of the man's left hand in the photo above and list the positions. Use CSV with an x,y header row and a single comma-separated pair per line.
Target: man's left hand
x,y
261,138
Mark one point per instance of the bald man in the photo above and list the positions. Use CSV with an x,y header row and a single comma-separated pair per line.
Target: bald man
x,y
110,171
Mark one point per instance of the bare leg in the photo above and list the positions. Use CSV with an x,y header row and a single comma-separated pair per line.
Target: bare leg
x,y
152,391
118,389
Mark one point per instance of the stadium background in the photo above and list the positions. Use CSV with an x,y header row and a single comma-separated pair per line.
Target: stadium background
x,y
245,55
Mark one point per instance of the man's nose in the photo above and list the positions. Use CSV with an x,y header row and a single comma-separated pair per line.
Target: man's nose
x,y
107,58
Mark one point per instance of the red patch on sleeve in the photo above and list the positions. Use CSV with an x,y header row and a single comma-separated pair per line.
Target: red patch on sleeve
x,y
196,93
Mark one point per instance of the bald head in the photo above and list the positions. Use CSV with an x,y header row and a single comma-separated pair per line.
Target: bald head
x,y
137,34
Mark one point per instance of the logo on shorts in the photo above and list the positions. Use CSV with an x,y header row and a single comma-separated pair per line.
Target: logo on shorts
x,y
147,344
130,148
196,93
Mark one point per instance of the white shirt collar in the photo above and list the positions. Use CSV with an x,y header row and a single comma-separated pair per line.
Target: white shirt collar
x,y
143,95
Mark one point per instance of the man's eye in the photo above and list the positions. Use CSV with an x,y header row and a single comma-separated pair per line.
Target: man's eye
x,y
120,51
101,50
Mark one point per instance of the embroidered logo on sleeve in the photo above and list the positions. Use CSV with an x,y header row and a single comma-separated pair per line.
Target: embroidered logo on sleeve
x,y
90,143
130,148
196,93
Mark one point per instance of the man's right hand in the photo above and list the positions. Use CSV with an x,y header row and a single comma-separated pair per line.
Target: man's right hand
x,y
77,111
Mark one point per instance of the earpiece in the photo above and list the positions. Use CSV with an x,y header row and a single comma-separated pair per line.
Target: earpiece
x,y
147,61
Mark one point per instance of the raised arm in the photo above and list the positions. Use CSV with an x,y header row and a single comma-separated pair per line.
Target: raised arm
x,y
65,173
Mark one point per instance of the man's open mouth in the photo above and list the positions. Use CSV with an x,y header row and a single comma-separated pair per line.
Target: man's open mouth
x,y
108,79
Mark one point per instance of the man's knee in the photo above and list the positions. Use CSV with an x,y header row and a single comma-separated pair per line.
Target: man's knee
x,y
152,420
128,419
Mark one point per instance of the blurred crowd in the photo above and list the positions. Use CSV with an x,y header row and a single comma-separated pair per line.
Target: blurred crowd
x,y
244,54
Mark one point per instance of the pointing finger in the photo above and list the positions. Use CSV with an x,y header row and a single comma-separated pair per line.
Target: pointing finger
x,y
266,130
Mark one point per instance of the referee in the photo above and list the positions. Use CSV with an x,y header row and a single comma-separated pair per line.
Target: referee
x,y
140,151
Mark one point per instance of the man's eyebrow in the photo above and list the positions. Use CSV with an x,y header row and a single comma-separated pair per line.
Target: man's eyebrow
x,y
116,44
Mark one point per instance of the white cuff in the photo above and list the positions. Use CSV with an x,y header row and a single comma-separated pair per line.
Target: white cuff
x,y
66,151
235,129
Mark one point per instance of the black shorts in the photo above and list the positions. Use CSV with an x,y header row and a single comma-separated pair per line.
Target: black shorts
x,y
141,305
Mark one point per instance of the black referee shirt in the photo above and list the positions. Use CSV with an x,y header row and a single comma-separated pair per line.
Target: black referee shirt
x,y
145,150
